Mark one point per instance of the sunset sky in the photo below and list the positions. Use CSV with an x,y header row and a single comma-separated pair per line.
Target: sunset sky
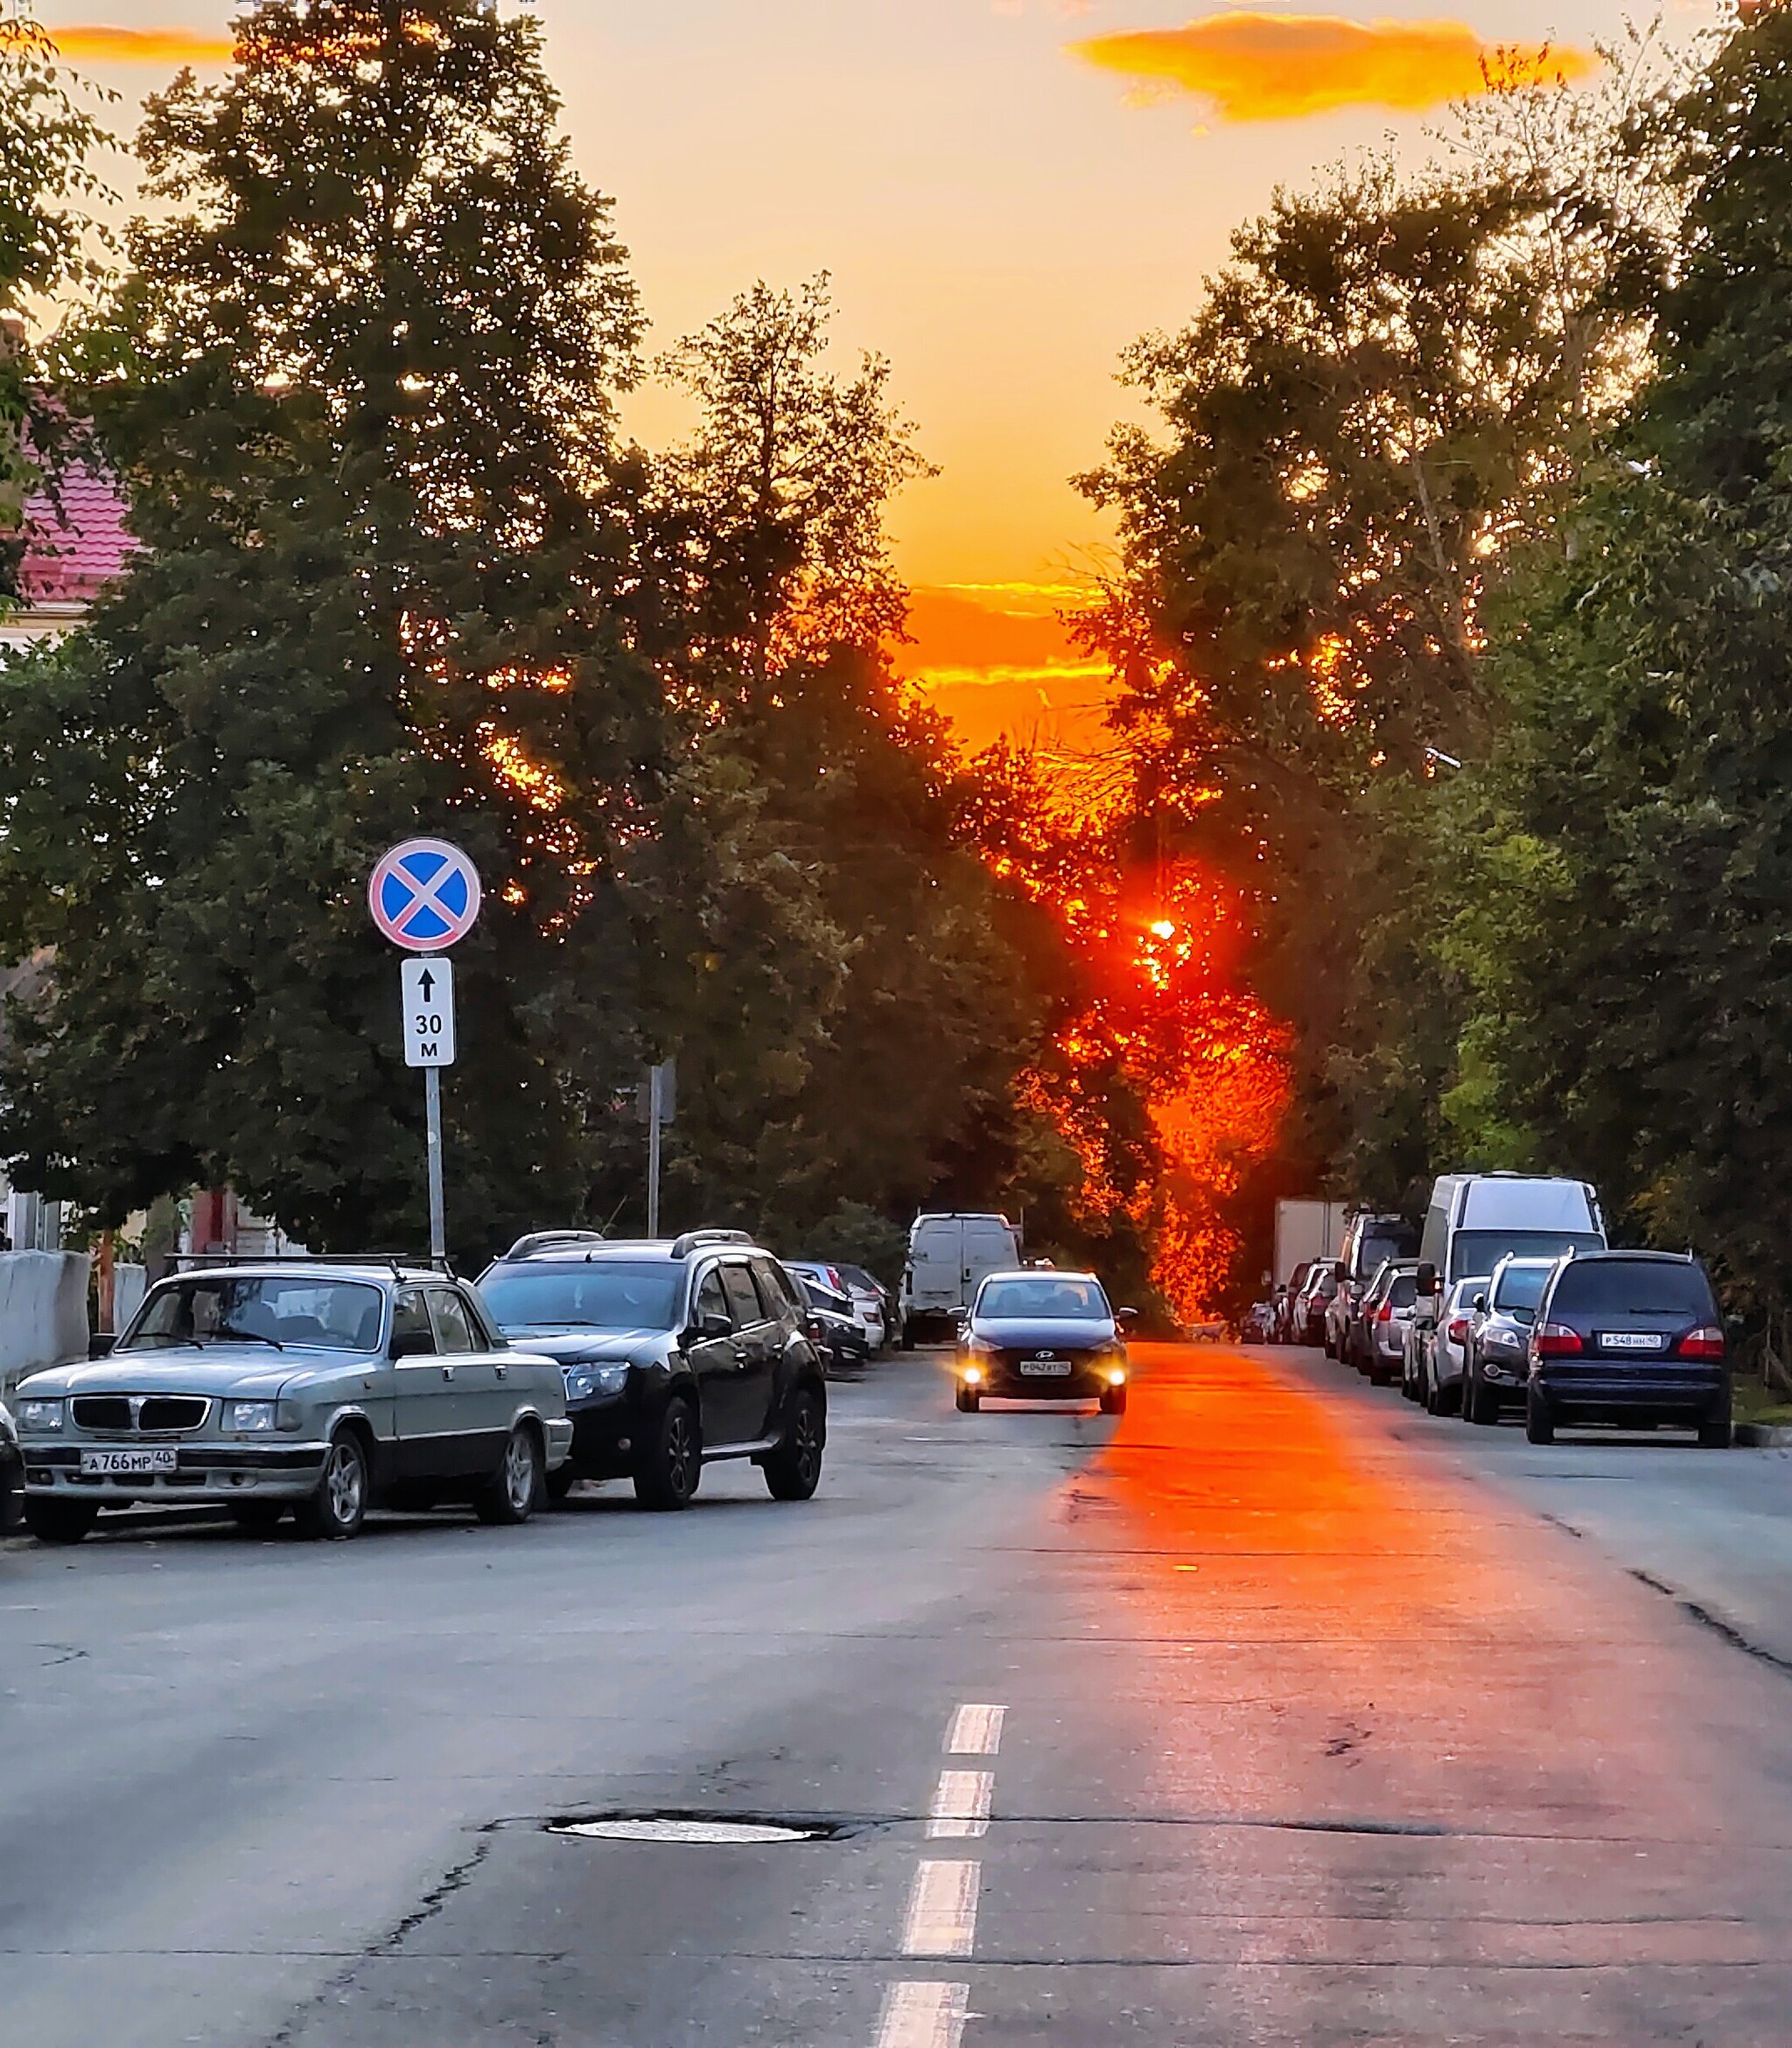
x,y
1007,193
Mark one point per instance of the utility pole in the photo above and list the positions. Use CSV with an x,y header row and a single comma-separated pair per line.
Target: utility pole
x,y
656,1103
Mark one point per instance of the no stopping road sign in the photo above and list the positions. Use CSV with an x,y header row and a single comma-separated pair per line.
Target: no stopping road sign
x,y
425,895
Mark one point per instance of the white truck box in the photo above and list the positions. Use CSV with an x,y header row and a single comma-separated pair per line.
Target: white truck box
x,y
1306,1231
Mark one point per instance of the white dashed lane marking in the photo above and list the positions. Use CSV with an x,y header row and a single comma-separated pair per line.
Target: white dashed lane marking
x,y
942,1910
923,2016
976,1731
962,1805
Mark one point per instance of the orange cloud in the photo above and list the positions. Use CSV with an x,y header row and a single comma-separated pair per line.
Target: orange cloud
x,y
1282,66
114,46
997,660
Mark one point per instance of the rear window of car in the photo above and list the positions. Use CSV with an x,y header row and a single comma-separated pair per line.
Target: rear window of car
x,y
1403,1292
1388,1243
1522,1286
1595,1287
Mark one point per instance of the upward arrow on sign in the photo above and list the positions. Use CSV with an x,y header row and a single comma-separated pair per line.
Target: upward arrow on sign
x,y
426,982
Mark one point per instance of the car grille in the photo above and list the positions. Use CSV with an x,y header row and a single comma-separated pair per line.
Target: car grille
x,y
149,1415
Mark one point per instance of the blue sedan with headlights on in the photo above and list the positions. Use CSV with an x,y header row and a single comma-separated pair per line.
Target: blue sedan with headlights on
x,y
1034,1335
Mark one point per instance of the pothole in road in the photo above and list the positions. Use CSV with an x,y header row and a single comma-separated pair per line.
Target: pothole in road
x,y
697,1830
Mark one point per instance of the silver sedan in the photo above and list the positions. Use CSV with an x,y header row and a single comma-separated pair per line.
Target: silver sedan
x,y
316,1387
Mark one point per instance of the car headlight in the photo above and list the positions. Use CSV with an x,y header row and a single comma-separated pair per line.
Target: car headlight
x,y
251,1418
584,1381
40,1415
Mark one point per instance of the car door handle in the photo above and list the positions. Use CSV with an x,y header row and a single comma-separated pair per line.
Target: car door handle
x,y
741,1354
447,1372
503,1371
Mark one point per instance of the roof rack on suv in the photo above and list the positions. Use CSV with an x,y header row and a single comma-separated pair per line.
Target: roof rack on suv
x,y
399,1261
548,1241
683,1247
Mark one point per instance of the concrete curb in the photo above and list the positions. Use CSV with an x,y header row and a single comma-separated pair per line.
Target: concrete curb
x,y
1763,1437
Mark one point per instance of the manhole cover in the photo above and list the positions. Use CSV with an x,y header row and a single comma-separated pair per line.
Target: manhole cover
x,y
694,1830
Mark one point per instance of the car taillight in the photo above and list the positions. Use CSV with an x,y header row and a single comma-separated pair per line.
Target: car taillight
x,y
1557,1340
1702,1344
1459,1330
1387,1314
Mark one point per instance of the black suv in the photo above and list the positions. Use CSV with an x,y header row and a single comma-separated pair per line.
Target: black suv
x,y
675,1354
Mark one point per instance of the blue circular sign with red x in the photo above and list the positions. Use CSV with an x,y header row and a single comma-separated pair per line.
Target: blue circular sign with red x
x,y
425,895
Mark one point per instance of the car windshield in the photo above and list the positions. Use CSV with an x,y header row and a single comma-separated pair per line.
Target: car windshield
x,y
1479,1251
1522,1286
297,1313
607,1294
1389,1243
1644,1286
1078,1301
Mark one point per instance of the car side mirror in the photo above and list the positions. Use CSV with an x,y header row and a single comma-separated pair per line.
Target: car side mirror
x,y
1481,1305
412,1343
1426,1280
713,1323
102,1345
1126,1315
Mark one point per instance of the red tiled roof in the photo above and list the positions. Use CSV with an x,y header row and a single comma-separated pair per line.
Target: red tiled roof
x,y
77,547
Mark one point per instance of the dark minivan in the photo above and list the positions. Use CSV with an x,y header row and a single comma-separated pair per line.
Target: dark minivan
x,y
1629,1339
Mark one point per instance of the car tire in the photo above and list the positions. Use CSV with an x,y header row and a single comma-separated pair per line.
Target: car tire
x,y
335,1511
793,1470
59,1521
560,1484
669,1467
969,1401
1539,1423
514,1492
1714,1435
1480,1404
258,1518
1114,1402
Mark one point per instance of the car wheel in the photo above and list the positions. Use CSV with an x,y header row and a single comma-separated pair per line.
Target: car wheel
x,y
59,1521
511,1495
1480,1404
259,1518
336,1511
793,1470
1539,1423
1114,1402
1433,1397
969,1401
561,1484
1714,1435
666,1477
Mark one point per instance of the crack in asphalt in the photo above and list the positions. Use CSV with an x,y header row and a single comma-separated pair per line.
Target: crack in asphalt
x,y
1715,1623
455,1878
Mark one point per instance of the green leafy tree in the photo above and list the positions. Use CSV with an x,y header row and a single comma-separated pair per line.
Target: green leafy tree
x,y
1629,964
1393,382
48,241
357,380
835,971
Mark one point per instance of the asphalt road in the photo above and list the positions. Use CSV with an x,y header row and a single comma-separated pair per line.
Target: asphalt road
x,y
1311,1729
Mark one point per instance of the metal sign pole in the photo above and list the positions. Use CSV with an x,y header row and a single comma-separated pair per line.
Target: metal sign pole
x,y
655,1079
439,1214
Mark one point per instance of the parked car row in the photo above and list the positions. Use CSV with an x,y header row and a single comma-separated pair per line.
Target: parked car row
x,y
1511,1301
323,1388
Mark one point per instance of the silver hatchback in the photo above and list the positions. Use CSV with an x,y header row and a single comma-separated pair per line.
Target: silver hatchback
x,y
315,1387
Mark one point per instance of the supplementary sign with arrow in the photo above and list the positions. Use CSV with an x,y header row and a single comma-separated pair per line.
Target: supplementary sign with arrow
x,y
428,987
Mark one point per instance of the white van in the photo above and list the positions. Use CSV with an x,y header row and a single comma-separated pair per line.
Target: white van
x,y
1476,1218
950,1255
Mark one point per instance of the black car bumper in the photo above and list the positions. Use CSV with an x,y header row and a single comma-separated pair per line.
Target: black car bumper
x,y
605,1436
1618,1394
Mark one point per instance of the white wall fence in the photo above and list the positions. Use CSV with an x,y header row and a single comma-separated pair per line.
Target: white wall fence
x,y
43,1311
